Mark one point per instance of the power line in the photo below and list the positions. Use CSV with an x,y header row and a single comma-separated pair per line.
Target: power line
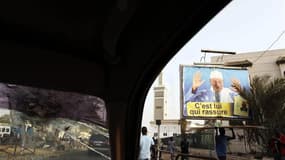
x,y
277,39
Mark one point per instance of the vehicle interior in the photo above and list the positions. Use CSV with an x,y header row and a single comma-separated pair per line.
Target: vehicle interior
x,y
113,50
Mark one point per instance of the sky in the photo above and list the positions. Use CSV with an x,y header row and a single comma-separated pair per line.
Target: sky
x,y
242,26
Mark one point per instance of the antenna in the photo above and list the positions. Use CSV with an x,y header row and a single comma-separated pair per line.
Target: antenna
x,y
205,51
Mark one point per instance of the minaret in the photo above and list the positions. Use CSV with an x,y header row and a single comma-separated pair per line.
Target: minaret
x,y
160,100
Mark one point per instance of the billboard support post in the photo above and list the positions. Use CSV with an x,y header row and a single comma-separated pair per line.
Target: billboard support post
x,y
183,125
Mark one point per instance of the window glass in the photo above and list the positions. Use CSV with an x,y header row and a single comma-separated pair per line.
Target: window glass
x,y
48,124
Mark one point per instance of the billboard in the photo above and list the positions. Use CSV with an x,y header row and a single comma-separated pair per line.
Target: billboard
x,y
213,92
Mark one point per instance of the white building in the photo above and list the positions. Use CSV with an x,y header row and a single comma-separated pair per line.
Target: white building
x,y
271,62
168,127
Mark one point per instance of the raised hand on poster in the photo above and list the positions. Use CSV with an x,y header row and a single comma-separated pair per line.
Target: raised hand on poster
x,y
236,86
197,81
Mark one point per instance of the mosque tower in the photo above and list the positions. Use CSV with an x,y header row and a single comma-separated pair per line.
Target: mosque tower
x,y
160,103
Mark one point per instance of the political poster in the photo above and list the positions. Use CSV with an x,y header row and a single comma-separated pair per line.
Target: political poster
x,y
213,92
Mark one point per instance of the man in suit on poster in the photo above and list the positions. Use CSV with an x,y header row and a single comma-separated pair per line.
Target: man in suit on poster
x,y
217,92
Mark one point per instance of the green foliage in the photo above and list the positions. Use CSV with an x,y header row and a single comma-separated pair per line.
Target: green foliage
x,y
267,103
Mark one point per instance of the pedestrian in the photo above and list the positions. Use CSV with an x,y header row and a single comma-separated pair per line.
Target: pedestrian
x,y
154,149
171,147
278,145
184,145
145,145
274,147
222,141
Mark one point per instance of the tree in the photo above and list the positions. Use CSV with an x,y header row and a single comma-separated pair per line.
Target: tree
x,y
267,103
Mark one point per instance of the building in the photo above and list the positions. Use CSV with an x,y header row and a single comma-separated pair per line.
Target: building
x,y
160,102
167,127
271,62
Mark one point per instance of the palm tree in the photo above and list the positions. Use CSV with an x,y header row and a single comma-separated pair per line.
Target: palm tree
x,y
266,99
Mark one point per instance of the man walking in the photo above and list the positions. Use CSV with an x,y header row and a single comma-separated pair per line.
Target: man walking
x,y
145,145
184,148
221,143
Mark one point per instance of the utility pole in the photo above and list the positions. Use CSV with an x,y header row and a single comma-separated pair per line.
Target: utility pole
x,y
158,123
